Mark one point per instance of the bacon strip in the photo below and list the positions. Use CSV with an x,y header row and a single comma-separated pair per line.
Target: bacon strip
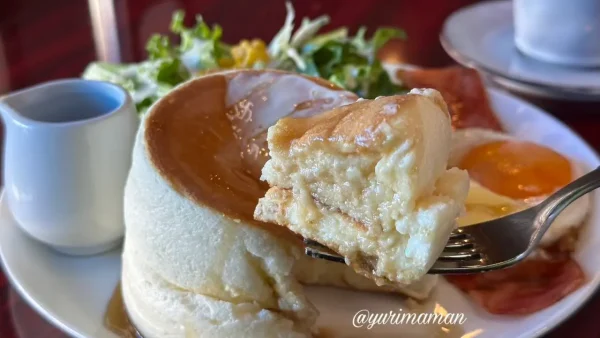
x,y
462,89
525,288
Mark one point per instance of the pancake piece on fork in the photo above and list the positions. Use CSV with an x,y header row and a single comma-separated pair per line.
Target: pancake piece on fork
x,y
370,181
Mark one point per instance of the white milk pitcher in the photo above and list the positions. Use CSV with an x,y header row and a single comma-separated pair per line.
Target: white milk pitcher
x,y
67,154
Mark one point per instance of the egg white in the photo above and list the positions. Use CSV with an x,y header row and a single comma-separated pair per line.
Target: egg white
x,y
484,205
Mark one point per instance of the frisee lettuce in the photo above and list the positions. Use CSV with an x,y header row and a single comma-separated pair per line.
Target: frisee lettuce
x,y
146,82
348,61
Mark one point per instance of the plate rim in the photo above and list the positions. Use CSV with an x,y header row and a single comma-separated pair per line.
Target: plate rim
x,y
560,318
587,93
24,294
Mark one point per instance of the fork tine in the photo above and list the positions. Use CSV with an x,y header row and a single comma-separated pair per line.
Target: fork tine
x,y
322,255
317,250
460,246
465,243
460,255
457,266
457,234
314,244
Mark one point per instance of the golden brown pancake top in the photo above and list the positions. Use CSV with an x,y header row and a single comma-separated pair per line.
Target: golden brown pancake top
x,y
207,137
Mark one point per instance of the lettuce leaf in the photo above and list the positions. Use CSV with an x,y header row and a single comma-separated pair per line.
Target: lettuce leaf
x,y
168,64
351,62
201,47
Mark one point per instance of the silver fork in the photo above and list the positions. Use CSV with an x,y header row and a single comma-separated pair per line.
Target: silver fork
x,y
498,243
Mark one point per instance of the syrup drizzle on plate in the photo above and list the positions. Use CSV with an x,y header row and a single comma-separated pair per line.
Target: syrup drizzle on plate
x,y
116,319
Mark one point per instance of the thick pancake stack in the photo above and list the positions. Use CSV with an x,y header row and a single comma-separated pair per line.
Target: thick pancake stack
x,y
195,262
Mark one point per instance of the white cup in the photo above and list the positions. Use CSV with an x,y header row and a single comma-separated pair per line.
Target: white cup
x,y
67,154
559,31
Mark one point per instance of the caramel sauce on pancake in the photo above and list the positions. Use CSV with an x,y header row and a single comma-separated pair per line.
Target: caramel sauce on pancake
x,y
207,138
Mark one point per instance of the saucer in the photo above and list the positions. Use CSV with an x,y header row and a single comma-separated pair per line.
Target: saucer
x,y
70,292
482,36
73,292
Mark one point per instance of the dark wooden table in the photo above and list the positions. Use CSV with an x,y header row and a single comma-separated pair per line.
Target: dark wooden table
x,y
42,40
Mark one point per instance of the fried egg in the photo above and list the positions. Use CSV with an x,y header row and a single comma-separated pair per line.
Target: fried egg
x,y
509,175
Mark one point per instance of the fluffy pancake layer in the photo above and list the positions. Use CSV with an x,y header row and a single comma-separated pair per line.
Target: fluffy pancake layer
x,y
369,180
190,269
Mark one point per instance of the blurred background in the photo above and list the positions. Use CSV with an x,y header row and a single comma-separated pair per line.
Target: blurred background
x,y
42,40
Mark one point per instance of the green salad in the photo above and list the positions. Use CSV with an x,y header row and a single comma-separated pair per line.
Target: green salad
x,y
346,60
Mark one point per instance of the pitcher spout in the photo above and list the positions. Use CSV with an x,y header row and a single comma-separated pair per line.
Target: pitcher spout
x,y
13,105
8,113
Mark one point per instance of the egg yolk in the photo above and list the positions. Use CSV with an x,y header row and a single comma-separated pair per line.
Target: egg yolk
x,y
517,169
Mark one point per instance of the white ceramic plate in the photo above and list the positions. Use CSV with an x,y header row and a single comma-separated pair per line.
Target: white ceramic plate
x,y
482,36
72,293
